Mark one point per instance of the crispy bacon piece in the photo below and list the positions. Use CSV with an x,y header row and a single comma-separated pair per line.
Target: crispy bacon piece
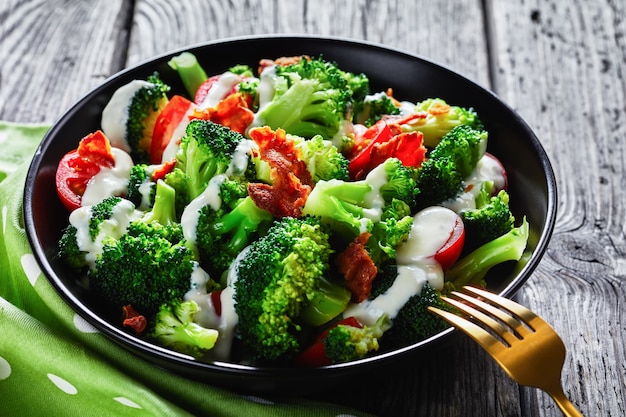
x,y
291,181
357,267
283,61
232,112
134,320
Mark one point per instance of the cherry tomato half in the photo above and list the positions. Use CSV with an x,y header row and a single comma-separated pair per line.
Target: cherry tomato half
x,y
78,166
448,254
167,122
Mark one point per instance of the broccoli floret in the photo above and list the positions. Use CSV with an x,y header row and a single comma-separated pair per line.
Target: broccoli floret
x,y
190,71
472,268
487,221
438,179
344,204
358,205
277,276
441,175
311,97
323,159
141,188
345,343
142,113
179,181
69,251
414,322
149,265
205,151
89,224
465,145
223,233
390,232
440,119
174,328
401,181
374,107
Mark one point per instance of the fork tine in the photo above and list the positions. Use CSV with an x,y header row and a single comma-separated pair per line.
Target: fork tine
x,y
480,335
522,312
479,316
508,319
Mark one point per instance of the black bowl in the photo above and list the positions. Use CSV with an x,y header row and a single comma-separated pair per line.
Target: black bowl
x,y
531,182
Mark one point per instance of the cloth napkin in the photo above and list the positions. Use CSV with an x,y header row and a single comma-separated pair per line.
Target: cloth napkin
x,y
53,363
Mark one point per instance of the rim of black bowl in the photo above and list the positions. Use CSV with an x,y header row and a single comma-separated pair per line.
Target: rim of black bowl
x,y
183,363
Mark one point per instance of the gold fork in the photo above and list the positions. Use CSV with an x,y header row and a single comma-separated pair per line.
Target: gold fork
x,y
524,345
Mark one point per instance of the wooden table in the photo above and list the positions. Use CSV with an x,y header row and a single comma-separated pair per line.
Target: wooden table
x,y
560,64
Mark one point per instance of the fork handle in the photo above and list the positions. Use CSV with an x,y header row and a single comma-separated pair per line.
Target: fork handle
x,y
566,406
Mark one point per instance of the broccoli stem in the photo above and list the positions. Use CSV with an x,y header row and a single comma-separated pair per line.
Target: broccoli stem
x,y
473,267
331,300
189,70
244,219
164,209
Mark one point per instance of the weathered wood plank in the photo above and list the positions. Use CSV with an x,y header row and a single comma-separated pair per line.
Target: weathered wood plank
x,y
564,74
54,52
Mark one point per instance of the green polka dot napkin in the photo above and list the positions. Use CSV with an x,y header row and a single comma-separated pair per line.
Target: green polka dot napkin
x,y
53,363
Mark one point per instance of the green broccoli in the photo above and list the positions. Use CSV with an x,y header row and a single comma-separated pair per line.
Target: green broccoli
x,y
174,328
357,205
472,268
488,220
142,113
223,233
345,343
277,276
465,145
179,181
141,188
150,264
440,119
441,175
80,241
373,107
324,161
311,97
205,151
189,70
414,322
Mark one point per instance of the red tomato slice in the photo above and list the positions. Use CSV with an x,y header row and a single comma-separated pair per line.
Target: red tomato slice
x,y
448,254
77,167
166,123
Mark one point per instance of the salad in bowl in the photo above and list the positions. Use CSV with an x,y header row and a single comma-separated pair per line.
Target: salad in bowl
x,y
283,214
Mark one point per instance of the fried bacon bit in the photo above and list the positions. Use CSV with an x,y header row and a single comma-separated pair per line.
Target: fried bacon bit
x,y
407,147
357,267
291,181
134,320
438,109
232,112
163,170
282,61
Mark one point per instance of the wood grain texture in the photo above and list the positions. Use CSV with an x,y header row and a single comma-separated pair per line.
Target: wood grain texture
x,y
561,65
564,74
54,52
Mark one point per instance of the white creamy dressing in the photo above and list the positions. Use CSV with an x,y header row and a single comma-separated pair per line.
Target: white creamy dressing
x,y
211,197
109,181
416,266
115,114
487,169
265,93
220,90
122,214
